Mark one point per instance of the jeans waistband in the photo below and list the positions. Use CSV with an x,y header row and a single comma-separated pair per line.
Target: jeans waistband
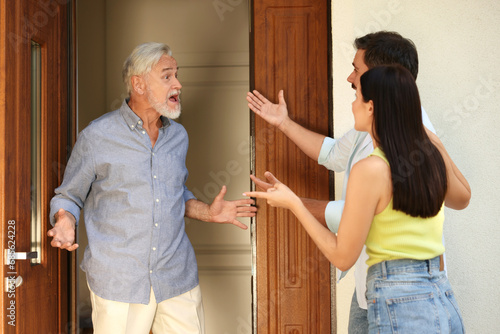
x,y
392,267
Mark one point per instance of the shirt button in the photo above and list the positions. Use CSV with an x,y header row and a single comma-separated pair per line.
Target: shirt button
x,y
156,224
154,176
132,126
139,122
143,132
157,200
150,271
154,248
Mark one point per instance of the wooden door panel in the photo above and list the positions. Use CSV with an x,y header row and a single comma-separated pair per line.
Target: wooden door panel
x,y
290,52
40,303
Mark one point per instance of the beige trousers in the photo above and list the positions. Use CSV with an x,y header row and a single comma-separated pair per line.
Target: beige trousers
x,y
181,314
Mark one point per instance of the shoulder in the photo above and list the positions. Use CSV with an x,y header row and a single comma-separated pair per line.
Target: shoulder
x,y
103,122
352,135
351,138
100,128
371,177
372,170
371,165
177,128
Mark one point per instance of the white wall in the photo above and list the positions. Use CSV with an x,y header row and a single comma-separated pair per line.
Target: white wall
x,y
458,44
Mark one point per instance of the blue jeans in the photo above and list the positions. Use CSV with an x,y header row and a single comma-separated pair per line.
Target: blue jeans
x,y
358,318
411,296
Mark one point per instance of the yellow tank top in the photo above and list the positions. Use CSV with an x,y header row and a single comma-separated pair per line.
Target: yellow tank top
x,y
396,235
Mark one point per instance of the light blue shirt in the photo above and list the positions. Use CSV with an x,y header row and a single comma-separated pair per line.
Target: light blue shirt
x,y
133,197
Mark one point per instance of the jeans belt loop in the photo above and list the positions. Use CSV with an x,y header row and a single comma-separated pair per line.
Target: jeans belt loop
x,y
383,265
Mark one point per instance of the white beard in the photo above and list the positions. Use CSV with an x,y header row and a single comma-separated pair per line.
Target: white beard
x,y
163,107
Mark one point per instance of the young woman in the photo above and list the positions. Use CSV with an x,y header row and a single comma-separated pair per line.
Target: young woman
x,y
394,205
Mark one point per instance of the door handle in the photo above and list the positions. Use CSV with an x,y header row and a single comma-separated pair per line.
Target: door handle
x,y
24,255
12,255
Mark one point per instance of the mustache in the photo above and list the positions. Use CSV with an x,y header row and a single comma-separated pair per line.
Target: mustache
x,y
174,92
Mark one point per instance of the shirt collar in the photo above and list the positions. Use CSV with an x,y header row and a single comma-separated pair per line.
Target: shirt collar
x,y
133,121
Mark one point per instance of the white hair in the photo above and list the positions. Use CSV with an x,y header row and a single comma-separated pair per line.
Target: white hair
x,y
142,59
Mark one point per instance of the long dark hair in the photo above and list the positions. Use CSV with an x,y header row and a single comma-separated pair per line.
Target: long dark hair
x,y
417,168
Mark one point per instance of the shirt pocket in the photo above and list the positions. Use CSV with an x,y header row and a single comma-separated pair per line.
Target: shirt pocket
x,y
173,173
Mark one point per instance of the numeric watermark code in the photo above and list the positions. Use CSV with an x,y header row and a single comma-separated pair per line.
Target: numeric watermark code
x,y
10,280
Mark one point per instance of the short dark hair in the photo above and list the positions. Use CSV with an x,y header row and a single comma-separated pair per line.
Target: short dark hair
x,y
418,170
388,48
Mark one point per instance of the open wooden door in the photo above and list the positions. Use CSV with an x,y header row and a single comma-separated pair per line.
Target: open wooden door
x,y
34,127
290,51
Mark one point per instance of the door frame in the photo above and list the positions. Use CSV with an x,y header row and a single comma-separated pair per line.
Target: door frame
x,y
72,135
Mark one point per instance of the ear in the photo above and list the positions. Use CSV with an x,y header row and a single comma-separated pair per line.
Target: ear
x,y
370,108
138,84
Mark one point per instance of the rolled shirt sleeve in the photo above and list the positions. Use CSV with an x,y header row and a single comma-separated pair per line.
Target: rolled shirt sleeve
x,y
333,214
335,153
188,194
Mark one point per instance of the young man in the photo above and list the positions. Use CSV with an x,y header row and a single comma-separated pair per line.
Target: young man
x,y
127,170
339,155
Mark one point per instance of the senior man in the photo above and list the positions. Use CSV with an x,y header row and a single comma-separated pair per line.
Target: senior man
x,y
127,171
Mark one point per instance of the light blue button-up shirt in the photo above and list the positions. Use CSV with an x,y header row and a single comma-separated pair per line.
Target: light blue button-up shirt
x,y
133,197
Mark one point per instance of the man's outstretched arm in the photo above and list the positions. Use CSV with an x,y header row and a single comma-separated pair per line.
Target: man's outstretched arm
x,y
308,141
221,211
